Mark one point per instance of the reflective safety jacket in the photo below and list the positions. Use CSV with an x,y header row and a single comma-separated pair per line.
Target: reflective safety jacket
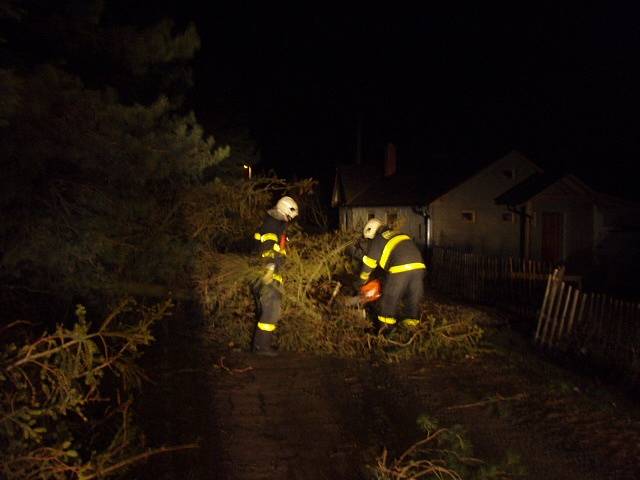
x,y
271,243
392,251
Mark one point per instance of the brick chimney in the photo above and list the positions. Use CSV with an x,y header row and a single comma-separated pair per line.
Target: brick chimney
x,y
390,160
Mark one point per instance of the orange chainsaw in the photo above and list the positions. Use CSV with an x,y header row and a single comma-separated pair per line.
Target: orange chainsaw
x,y
370,291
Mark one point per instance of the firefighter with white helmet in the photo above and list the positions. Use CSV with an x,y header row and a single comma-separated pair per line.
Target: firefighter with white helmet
x,y
400,259
272,248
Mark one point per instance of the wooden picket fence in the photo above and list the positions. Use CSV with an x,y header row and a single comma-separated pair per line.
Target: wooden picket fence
x,y
602,327
513,284
598,326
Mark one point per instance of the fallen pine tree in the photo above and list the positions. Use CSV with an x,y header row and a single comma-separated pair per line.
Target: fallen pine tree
x,y
314,322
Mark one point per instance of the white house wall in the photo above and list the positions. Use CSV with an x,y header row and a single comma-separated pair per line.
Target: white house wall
x,y
489,234
354,219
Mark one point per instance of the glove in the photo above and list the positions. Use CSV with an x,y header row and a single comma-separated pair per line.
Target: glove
x,y
267,278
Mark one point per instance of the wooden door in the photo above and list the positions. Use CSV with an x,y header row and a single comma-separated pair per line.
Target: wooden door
x,y
552,236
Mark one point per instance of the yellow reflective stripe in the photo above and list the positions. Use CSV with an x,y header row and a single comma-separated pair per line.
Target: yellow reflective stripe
x,y
277,278
388,248
277,248
266,327
369,262
268,253
365,275
410,322
269,236
387,320
406,267
257,236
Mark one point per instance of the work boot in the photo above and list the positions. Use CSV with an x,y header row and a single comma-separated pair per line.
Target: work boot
x,y
410,323
263,344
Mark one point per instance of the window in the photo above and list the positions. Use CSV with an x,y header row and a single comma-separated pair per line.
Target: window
x,y
469,216
509,173
392,219
508,217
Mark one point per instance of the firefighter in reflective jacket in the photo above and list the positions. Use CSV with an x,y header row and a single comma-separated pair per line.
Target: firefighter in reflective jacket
x,y
272,248
404,268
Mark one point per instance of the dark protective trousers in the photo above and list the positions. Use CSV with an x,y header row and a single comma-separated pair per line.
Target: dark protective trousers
x,y
397,288
268,306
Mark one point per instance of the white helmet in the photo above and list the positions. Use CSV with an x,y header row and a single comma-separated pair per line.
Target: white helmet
x,y
287,207
371,228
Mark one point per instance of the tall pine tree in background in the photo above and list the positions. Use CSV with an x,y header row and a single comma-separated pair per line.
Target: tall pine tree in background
x,y
97,149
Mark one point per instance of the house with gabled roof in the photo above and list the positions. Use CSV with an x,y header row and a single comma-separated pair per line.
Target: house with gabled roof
x,y
507,207
556,214
464,214
361,194
453,211
562,220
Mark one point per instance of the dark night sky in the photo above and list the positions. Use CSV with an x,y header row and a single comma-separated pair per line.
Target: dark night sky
x,y
559,83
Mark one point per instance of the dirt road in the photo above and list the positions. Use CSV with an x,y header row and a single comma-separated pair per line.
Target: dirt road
x,y
305,417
